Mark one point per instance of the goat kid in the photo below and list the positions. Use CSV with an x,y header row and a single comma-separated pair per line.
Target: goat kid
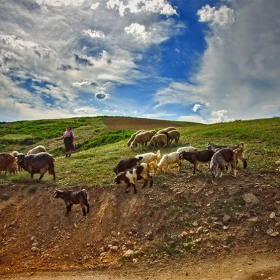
x,y
220,159
73,197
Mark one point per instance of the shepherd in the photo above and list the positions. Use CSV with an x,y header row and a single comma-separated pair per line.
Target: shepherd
x,y
68,137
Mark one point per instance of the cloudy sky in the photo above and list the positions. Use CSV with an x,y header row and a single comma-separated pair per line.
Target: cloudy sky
x,y
190,60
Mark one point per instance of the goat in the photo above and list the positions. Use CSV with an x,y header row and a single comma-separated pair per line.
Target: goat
x,y
238,154
142,138
38,163
158,139
197,157
36,150
74,197
132,137
219,161
136,173
169,159
8,163
150,157
127,163
212,146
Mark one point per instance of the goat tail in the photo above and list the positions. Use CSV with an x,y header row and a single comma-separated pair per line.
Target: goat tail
x,y
158,154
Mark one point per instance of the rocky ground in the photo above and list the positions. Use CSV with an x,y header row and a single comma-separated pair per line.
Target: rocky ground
x,y
184,227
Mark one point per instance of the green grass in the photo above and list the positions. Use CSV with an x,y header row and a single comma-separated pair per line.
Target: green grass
x,y
99,150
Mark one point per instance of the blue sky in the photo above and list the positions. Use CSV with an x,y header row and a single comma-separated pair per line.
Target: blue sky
x,y
187,60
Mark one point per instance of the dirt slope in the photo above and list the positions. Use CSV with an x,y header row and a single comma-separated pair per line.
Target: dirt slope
x,y
184,217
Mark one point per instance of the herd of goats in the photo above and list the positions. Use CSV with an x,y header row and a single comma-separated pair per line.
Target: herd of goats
x,y
132,169
136,168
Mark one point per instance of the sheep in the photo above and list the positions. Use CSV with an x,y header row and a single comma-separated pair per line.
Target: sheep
x,y
158,139
127,163
36,150
167,129
238,154
219,161
197,157
136,173
142,138
73,197
38,163
133,136
8,163
186,149
169,159
174,135
150,157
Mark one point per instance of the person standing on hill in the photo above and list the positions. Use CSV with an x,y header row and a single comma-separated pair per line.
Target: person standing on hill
x,y
68,137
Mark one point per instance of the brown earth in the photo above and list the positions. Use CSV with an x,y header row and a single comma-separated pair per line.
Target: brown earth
x,y
184,227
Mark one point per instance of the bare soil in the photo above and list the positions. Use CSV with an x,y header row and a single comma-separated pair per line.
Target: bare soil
x,y
184,227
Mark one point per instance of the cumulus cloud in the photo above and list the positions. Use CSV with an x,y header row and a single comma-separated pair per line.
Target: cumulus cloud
x,y
138,6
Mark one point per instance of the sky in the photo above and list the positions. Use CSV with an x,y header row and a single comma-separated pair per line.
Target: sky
x,y
201,61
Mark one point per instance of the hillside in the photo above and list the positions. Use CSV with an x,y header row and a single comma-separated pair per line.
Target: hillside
x,y
184,227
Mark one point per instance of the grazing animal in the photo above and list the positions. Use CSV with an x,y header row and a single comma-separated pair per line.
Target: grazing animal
x,y
8,163
158,139
212,146
150,158
142,138
168,159
197,157
126,163
136,173
186,149
174,135
238,154
220,159
36,150
74,197
133,136
38,163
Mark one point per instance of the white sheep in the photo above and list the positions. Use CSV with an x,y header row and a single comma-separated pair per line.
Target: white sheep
x,y
167,129
142,138
158,139
168,159
150,158
187,149
132,137
36,150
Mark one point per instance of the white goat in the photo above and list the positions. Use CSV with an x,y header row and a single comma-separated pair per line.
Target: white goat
x,y
168,159
149,158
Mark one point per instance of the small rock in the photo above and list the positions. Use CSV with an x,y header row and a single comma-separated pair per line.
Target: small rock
x,y
128,253
226,219
272,233
250,198
272,215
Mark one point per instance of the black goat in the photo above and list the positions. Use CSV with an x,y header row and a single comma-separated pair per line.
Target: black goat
x,y
73,197
197,157
127,163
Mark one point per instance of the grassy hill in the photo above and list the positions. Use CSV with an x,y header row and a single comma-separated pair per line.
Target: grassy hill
x,y
101,143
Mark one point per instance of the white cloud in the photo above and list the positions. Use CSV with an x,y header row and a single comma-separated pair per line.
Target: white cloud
x,y
61,2
137,6
192,118
196,107
137,31
93,33
221,16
